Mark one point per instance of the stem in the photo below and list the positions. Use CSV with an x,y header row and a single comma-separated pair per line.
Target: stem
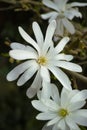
x,y
78,76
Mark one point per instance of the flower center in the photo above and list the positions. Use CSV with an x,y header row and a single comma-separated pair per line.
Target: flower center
x,y
63,112
61,15
42,60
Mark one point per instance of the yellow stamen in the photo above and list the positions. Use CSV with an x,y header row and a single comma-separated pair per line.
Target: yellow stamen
x,y
63,112
42,60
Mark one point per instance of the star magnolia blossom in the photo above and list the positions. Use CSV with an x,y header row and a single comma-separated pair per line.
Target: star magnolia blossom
x,y
41,57
63,13
63,112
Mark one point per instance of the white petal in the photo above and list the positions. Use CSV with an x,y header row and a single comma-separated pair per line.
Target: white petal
x,y
72,125
50,4
39,105
61,4
55,93
80,96
72,93
69,66
61,124
45,74
55,127
74,4
65,101
52,105
49,15
70,14
68,25
46,91
38,34
50,54
60,28
61,44
16,45
53,17
35,86
14,74
28,39
53,121
27,75
49,35
61,76
20,46
80,117
77,105
45,127
46,116
64,57
22,54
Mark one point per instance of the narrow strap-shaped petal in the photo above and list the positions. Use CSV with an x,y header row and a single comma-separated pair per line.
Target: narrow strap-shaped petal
x,y
61,4
14,74
45,127
46,90
49,15
38,34
45,74
80,117
16,45
27,75
55,127
69,66
45,116
64,57
65,101
60,46
20,46
68,25
35,86
22,54
54,121
62,1
74,4
49,35
80,96
60,28
54,16
52,105
28,39
70,14
76,106
55,93
50,4
72,125
61,76
62,125
38,105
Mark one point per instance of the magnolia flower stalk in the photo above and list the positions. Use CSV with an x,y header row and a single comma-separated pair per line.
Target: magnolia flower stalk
x,y
63,13
63,111
41,57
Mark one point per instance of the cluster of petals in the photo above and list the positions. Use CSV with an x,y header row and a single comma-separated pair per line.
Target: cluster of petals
x,y
41,58
63,111
63,13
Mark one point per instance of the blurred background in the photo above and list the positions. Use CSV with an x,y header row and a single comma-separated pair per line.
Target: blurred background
x,y
16,112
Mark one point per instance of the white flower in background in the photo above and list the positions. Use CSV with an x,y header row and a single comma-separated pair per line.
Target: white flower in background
x,y
63,112
63,13
41,58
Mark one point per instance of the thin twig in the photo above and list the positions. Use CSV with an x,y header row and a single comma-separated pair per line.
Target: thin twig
x,y
78,76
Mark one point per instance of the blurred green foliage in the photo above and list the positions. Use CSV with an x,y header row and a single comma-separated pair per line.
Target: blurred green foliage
x,y
16,112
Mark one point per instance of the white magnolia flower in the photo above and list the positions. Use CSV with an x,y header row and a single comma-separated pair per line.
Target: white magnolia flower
x,y
63,13
41,58
63,112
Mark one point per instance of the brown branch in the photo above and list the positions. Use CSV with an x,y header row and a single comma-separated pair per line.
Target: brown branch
x,y
78,76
